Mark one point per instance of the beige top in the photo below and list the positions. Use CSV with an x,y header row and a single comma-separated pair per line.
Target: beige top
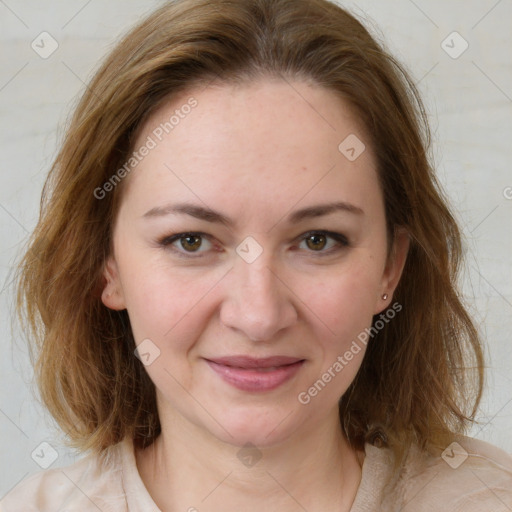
x,y
480,482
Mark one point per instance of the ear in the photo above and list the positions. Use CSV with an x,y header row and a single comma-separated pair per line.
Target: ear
x,y
393,269
112,294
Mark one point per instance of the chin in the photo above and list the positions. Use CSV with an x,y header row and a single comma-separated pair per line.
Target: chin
x,y
259,427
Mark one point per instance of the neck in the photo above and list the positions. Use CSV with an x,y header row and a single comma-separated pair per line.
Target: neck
x,y
187,468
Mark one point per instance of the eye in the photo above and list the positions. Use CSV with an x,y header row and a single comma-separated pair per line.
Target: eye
x,y
194,244
187,242
324,242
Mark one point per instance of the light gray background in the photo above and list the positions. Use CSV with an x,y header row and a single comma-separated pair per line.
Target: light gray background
x,y
469,100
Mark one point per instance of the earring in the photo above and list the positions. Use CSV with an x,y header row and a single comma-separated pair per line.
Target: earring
x,y
385,296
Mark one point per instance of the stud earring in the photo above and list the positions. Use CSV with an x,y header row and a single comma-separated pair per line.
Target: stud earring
x,y
385,296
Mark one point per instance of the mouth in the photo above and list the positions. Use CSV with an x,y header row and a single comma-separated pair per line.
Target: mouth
x,y
256,374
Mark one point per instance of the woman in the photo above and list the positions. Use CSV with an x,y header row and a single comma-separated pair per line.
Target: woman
x,y
246,277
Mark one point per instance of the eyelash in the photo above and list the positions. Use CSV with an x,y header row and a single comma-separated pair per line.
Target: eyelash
x,y
341,240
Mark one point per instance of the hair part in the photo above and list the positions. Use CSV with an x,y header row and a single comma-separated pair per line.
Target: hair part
x,y
422,376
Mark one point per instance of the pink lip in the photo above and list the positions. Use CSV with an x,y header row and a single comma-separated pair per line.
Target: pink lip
x,y
252,374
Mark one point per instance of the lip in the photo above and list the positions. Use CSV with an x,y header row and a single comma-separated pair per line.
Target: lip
x,y
256,374
246,362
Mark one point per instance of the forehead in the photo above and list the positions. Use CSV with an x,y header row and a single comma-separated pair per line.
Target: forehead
x,y
260,142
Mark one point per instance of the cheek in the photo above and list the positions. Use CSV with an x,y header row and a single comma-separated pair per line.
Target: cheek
x,y
341,312
164,304
343,303
167,308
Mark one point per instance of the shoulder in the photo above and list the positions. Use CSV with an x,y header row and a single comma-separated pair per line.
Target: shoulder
x,y
92,483
470,475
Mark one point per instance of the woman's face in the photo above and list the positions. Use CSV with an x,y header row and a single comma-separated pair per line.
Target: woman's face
x,y
283,254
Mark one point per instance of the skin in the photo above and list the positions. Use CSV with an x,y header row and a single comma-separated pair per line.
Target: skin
x,y
255,153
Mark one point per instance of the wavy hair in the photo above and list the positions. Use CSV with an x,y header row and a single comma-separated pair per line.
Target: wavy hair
x,y
422,375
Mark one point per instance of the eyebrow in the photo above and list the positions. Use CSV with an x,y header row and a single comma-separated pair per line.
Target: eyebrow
x,y
213,216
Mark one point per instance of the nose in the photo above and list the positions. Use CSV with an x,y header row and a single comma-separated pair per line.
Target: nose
x,y
257,302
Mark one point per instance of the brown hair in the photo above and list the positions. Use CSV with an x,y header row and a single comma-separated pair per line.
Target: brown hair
x,y
421,378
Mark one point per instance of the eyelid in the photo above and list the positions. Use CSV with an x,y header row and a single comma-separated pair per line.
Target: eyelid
x,y
168,241
339,237
341,240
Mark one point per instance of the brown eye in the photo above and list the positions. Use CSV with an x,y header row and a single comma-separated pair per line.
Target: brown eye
x,y
323,243
191,243
188,244
316,242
